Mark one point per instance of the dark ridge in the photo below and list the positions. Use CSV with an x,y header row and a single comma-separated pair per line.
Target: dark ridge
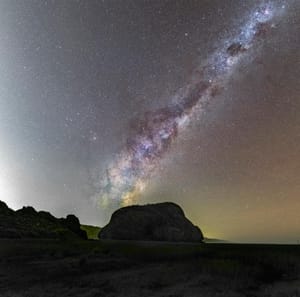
x,y
29,223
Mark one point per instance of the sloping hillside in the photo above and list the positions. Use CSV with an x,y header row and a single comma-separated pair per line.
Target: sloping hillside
x,y
91,231
29,223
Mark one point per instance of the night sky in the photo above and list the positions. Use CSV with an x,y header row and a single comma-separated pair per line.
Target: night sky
x,y
111,103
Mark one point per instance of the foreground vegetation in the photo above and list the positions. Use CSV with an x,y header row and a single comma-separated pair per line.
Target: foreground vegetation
x,y
122,268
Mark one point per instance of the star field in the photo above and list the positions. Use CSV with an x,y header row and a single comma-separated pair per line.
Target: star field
x,y
106,103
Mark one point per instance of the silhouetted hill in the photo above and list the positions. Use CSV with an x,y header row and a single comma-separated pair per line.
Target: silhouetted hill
x,y
159,222
28,223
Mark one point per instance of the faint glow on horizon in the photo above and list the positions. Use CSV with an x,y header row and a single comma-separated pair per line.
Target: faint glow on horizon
x,y
7,192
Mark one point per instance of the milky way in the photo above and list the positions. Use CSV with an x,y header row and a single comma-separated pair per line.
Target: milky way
x,y
153,134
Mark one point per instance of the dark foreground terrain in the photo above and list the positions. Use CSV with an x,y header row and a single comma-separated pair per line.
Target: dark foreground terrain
x,y
38,268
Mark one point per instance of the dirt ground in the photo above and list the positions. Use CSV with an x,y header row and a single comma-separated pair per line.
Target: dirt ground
x,y
96,272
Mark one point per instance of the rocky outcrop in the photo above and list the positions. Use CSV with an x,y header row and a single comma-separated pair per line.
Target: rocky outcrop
x,y
157,222
72,223
29,223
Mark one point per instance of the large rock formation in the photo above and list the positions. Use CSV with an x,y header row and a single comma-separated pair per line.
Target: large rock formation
x,y
28,223
158,222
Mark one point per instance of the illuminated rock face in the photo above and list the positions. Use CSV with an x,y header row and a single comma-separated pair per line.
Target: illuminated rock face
x,y
157,222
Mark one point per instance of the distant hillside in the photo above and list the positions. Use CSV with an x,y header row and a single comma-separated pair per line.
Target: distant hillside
x,y
215,240
91,231
29,223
